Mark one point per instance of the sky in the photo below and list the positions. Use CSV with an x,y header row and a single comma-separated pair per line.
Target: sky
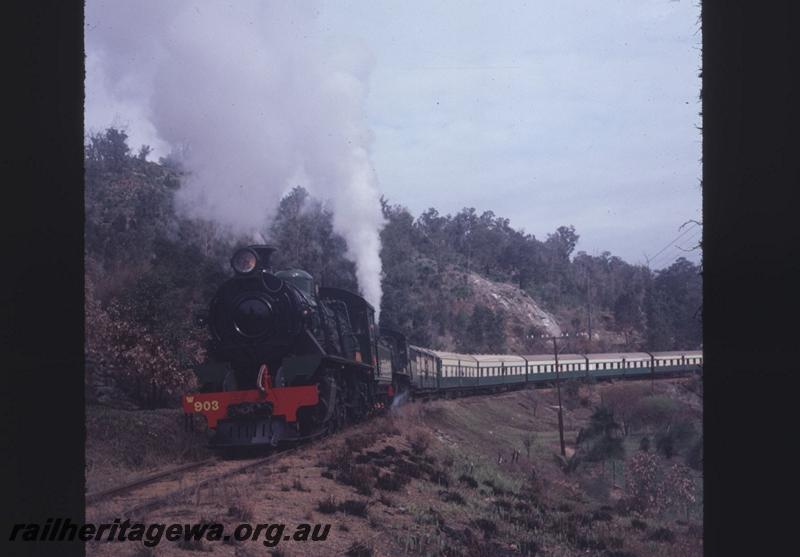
x,y
548,113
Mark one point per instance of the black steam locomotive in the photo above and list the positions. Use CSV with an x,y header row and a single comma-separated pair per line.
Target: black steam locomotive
x,y
289,359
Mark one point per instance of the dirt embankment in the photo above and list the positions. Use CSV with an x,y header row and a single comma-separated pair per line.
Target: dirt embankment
x,y
471,476
124,444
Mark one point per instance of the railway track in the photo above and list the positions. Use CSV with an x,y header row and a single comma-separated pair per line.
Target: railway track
x,y
178,483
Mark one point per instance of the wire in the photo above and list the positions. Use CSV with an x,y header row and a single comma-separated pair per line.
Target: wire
x,y
692,237
681,235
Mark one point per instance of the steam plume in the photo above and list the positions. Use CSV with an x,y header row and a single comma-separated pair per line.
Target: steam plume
x,y
255,102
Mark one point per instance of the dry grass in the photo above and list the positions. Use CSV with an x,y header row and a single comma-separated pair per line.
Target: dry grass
x,y
418,506
122,444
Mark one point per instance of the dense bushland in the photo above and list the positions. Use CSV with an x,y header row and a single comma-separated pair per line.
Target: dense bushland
x,y
150,271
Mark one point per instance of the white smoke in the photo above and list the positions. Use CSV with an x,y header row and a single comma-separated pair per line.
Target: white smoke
x,y
253,99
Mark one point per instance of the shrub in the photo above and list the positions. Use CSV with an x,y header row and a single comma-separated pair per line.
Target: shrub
x,y
522,507
676,438
359,442
528,547
488,527
622,399
420,441
646,489
452,497
392,482
338,458
439,477
654,411
192,545
359,549
354,507
665,444
327,506
601,515
694,457
240,510
662,535
468,480
410,469
357,476
571,389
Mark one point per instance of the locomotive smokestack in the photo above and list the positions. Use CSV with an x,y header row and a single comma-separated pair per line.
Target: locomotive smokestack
x,y
264,253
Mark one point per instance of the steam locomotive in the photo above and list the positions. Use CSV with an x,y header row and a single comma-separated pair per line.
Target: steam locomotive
x,y
289,359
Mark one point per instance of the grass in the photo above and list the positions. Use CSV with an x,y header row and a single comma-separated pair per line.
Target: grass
x,y
359,549
121,444
452,497
450,494
241,510
468,480
354,507
327,505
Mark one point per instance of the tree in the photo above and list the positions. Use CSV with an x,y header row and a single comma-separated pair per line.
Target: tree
x,y
628,315
485,331
599,441
109,149
621,400
673,307
303,233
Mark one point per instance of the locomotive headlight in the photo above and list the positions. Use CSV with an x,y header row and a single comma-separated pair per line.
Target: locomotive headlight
x,y
244,261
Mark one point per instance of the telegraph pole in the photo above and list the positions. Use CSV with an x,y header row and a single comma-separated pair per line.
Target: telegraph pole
x,y
589,306
558,390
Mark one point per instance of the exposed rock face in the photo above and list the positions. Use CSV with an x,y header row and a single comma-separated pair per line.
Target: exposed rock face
x,y
457,293
522,312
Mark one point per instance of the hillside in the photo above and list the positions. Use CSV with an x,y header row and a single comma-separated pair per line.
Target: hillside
x,y
522,312
467,282
480,476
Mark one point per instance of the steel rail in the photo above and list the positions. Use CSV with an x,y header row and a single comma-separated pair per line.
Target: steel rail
x,y
146,480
